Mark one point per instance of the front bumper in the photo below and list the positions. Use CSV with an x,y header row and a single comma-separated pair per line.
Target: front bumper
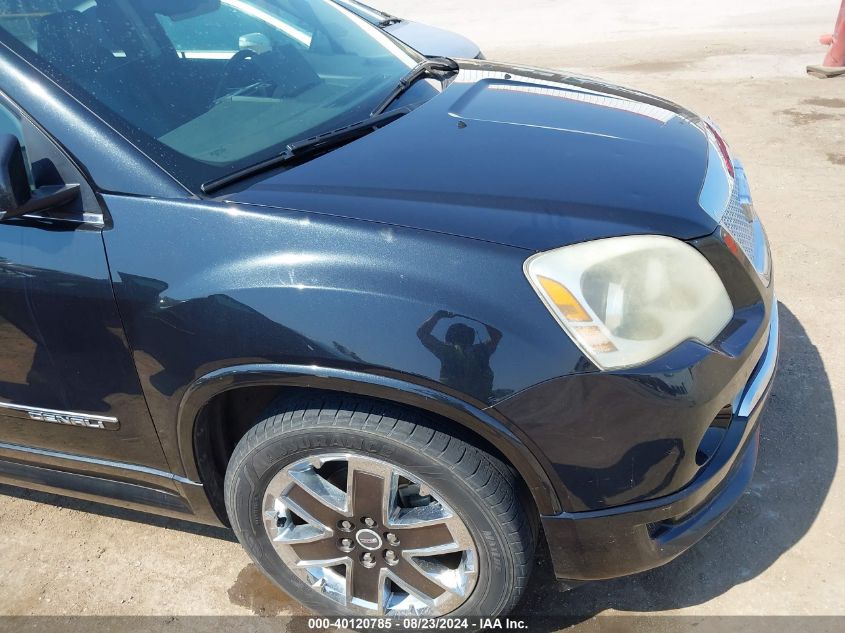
x,y
632,538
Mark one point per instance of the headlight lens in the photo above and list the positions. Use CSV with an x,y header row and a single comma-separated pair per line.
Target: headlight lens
x,y
626,301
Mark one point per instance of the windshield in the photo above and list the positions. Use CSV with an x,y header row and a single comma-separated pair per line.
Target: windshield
x,y
207,87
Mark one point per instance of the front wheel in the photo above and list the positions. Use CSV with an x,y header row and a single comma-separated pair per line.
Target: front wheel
x,y
358,507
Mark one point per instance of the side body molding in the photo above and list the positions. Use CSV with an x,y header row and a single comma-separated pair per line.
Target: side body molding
x,y
486,424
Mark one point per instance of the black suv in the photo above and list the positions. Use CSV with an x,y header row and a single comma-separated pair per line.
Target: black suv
x,y
387,316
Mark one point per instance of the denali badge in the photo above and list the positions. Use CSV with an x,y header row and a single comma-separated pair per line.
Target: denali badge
x,y
68,418
72,420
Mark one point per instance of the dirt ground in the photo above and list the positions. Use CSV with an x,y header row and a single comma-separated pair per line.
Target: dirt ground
x,y
781,551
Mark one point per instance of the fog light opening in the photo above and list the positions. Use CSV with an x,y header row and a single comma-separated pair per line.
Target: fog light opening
x,y
656,530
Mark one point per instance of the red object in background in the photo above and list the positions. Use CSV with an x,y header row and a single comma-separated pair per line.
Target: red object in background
x,y
834,62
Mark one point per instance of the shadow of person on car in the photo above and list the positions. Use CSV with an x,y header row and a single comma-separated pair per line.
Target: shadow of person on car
x,y
797,462
464,360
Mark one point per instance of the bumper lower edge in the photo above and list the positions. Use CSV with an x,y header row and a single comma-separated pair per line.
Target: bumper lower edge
x,y
629,539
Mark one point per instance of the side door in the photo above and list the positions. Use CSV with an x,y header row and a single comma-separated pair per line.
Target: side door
x,y
70,398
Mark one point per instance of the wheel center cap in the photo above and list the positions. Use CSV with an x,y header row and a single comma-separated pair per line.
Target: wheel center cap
x,y
368,539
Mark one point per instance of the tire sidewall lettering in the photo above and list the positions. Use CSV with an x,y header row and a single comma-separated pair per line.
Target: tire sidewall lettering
x,y
329,441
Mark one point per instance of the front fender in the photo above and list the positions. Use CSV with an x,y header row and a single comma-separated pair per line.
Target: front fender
x,y
489,425
451,319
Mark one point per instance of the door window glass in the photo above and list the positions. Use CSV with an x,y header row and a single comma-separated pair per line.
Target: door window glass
x,y
9,123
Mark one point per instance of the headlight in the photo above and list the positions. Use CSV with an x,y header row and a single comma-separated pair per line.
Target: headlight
x,y
628,300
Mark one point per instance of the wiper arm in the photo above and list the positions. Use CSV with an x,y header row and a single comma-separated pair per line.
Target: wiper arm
x,y
308,147
427,68
431,67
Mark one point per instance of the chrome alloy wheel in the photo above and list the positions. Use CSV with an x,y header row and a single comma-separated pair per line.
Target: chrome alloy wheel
x,y
370,536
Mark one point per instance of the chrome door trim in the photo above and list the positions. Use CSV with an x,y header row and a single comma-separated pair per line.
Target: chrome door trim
x,y
118,466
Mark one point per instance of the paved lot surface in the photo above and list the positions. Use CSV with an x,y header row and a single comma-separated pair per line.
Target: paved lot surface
x,y
781,550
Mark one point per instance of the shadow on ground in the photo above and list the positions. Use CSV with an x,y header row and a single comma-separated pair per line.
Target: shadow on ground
x,y
797,463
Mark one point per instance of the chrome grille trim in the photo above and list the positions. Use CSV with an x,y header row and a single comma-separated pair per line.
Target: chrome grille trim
x,y
741,222
736,222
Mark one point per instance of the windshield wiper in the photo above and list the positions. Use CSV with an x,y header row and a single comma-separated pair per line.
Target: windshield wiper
x,y
299,150
427,68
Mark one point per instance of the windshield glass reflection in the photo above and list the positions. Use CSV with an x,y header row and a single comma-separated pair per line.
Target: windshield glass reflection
x,y
211,86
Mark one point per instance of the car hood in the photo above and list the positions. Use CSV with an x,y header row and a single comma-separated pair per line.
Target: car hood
x,y
432,41
516,156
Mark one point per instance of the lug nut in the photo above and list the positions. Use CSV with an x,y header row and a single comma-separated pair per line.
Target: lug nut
x,y
346,544
391,539
368,560
346,526
369,522
390,557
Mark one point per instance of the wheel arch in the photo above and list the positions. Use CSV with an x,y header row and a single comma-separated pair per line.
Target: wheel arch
x,y
487,425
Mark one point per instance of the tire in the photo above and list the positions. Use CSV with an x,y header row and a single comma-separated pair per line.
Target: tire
x,y
478,505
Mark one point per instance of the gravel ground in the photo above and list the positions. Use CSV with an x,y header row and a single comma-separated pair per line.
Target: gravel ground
x,y
780,551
